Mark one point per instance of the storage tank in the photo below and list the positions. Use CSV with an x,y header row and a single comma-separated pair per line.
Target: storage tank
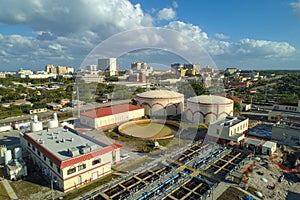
x,y
53,123
208,108
161,102
36,126
18,153
7,157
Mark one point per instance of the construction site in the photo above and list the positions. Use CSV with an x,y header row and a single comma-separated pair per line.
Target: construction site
x,y
192,173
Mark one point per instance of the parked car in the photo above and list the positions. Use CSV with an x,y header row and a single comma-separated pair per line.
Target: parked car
x,y
124,156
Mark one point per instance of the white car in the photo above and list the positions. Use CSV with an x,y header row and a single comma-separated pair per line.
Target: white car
x,y
124,156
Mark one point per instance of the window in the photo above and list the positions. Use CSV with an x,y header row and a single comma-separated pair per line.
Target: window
x,y
33,148
28,144
81,167
51,164
58,169
38,152
44,158
218,131
95,162
71,171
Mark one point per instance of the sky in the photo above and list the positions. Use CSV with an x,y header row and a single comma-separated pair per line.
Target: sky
x,y
248,34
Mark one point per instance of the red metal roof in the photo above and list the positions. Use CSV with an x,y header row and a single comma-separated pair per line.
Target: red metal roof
x,y
110,110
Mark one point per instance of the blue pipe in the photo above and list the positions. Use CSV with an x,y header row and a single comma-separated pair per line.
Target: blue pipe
x,y
159,187
207,157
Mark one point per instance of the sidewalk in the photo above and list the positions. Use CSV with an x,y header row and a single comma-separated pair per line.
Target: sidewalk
x,y
8,188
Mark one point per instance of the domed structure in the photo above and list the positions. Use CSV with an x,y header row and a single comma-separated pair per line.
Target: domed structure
x,y
208,108
161,102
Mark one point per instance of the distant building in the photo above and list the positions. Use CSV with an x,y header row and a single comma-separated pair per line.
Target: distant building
x,y
141,67
228,129
50,69
90,76
64,70
92,67
23,73
231,70
108,64
284,111
207,69
186,69
37,110
110,116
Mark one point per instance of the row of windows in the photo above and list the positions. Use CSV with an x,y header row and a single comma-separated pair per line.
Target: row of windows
x,y
43,156
82,166
287,108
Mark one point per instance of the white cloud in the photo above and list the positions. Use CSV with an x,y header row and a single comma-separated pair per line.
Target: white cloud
x,y
166,14
296,9
65,17
65,32
221,36
245,47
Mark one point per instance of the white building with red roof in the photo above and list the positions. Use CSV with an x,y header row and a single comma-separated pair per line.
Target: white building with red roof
x,y
69,158
110,116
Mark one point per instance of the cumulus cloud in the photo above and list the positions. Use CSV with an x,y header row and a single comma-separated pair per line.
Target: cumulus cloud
x,y
221,36
166,14
296,9
66,17
245,47
64,32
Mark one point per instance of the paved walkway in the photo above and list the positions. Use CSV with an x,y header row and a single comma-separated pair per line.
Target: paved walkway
x,y
9,190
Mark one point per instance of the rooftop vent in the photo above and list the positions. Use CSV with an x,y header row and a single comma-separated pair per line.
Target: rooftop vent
x,y
73,151
85,150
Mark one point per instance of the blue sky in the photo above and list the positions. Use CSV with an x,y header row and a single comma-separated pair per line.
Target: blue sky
x,y
248,34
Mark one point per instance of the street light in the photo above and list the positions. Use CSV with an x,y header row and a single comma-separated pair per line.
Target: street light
x,y
52,187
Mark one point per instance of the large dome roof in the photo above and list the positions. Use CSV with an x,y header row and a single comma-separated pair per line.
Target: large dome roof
x,y
210,99
160,94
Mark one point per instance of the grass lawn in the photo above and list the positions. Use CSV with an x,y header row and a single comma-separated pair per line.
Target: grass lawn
x,y
24,189
77,192
3,194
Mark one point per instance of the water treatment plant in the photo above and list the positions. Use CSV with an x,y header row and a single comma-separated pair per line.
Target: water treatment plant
x,y
191,173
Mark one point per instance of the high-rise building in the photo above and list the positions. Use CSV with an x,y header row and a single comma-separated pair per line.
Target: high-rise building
x,y
107,64
50,69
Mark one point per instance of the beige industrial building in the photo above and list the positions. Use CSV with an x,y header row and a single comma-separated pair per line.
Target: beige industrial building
x,y
228,129
70,159
208,108
110,116
284,110
161,102
268,148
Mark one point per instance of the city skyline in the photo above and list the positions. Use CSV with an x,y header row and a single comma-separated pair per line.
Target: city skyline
x,y
246,35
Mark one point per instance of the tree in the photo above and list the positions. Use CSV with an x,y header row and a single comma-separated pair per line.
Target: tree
x,y
236,108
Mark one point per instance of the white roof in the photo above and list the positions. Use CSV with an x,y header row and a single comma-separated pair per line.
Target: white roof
x,y
210,99
269,144
160,94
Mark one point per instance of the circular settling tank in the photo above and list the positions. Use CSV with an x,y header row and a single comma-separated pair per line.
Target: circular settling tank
x,y
149,129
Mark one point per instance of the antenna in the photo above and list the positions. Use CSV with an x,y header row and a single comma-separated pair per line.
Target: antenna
x,y
78,107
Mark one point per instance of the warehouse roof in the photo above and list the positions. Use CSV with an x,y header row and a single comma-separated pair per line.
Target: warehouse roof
x,y
110,110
